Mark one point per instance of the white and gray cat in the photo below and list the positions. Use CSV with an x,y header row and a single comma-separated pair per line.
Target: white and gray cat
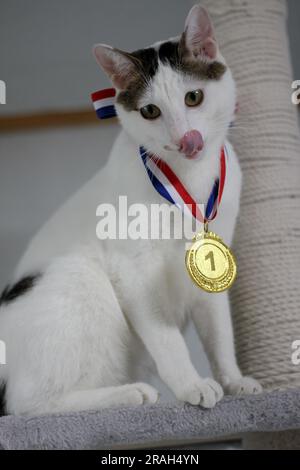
x,y
81,313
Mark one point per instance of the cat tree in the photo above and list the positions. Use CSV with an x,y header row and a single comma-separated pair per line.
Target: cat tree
x,y
266,298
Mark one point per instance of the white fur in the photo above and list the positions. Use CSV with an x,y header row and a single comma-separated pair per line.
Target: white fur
x,y
75,341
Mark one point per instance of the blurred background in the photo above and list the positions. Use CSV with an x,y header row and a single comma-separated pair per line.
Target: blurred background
x,y
50,139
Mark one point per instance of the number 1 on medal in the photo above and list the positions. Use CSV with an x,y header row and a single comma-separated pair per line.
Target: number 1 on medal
x,y
210,256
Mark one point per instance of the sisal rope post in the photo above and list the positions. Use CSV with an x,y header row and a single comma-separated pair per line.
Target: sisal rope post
x,y
266,297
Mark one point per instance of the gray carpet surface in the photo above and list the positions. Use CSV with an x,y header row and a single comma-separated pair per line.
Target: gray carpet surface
x,y
152,424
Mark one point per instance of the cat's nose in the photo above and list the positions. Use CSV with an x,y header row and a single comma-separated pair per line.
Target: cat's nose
x,y
191,143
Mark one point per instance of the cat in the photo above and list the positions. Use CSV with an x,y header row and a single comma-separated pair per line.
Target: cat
x,y
81,314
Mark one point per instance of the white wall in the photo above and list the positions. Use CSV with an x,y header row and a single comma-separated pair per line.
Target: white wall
x,y
45,46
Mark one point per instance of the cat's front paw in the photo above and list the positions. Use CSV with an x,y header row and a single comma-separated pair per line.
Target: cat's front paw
x,y
143,393
205,392
243,386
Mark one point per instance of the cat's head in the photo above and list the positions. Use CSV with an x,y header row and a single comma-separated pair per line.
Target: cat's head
x,y
177,97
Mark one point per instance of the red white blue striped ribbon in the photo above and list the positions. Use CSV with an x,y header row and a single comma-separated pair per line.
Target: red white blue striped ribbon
x,y
168,185
104,103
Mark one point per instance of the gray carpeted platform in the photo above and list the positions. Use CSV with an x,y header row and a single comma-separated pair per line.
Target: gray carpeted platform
x,y
148,425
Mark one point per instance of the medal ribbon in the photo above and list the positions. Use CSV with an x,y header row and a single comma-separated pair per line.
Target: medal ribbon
x,y
169,186
164,180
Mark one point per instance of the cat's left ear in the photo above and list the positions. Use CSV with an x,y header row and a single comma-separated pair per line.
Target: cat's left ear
x,y
199,38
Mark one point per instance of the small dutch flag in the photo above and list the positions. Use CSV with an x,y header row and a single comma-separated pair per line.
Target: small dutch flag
x,y
104,103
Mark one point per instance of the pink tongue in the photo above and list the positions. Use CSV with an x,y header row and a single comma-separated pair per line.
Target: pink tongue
x,y
191,143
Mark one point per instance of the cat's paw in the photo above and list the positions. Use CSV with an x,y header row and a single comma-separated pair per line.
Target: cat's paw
x,y
205,392
142,393
243,386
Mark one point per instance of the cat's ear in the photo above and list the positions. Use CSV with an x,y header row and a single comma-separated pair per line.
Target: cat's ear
x,y
117,64
199,38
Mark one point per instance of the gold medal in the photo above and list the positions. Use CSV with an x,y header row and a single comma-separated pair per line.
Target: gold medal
x,y
210,263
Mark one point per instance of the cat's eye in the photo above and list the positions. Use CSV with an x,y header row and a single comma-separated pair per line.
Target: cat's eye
x,y
194,98
150,111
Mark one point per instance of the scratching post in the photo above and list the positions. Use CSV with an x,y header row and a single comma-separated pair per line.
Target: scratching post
x,y
266,297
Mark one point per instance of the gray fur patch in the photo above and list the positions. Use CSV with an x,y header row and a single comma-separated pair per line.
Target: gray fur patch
x,y
173,54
